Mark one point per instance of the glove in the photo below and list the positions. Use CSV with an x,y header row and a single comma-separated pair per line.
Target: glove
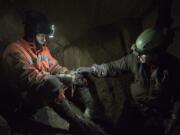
x,y
72,77
85,70
95,70
79,80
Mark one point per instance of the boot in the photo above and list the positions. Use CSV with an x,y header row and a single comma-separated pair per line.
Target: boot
x,y
78,124
92,111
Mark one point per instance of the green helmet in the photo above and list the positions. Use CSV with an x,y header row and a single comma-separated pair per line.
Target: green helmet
x,y
149,41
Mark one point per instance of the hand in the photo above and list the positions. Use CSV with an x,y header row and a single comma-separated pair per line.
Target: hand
x,y
85,70
79,80
72,77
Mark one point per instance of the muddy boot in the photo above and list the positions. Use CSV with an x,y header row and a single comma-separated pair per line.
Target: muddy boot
x,y
93,110
78,124
87,101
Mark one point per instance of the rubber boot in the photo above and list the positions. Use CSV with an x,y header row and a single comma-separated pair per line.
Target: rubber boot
x,y
93,110
87,101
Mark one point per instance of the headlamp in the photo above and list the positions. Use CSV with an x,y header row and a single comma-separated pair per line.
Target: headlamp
x,y
51,35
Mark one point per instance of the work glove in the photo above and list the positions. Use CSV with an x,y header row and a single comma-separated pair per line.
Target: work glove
x,y
95,70
85,70
72,78
79,80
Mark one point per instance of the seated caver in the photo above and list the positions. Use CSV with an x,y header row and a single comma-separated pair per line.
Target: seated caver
x,y
39,78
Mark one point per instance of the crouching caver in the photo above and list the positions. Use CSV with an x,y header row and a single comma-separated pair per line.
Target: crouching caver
x,y
40,80
155,90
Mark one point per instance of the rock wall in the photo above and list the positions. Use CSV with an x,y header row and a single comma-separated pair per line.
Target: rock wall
x,y
88,32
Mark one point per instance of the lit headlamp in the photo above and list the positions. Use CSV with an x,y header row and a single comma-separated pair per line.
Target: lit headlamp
x,y
52,28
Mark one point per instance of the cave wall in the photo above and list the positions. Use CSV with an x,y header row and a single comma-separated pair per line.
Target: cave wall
x,y
73,19
88,32
150,19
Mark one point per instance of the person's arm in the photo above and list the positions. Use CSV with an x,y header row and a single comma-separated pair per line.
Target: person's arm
x,y
55,68
40,83
26,74
68,77
109,69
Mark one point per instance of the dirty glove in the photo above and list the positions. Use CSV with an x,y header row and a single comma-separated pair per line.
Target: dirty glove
x,y
85,70
72,77
73,80
79,80
96,70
